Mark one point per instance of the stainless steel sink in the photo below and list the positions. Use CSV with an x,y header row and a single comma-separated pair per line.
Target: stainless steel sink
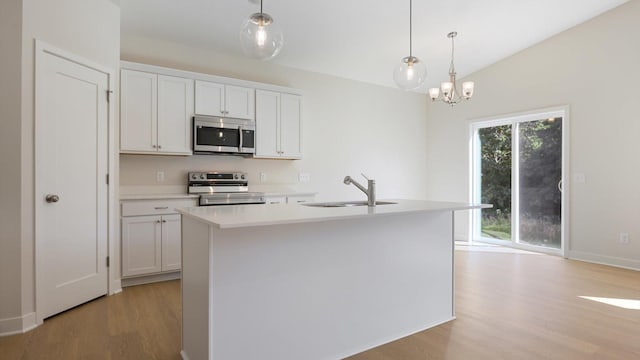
x,y
346,204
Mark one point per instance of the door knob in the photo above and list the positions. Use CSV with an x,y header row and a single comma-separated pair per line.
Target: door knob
x,y
51,198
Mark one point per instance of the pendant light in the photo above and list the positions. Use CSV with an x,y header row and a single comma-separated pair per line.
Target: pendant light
x,y
260,37
411,72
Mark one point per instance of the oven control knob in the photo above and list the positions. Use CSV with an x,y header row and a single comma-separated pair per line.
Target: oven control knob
x,y
194,176
202,176
242,176
235,176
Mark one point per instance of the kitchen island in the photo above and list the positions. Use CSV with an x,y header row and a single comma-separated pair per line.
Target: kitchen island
x,y
304,282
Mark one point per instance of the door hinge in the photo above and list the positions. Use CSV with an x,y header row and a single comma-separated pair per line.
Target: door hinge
x,y
107,179
109,92
107,261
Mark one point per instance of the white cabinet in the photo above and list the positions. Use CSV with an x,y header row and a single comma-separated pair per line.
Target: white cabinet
x,y
155,113
151,236
278,125
141,245
150,244
171,242
215,99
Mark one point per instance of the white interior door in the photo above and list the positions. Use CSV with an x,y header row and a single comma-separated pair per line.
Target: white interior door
x,y
71,200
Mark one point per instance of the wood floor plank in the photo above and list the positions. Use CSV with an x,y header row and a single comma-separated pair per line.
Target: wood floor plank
x,y
527,306
508,306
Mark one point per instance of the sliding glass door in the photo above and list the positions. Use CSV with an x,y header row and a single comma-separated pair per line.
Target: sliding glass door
x,y
518,167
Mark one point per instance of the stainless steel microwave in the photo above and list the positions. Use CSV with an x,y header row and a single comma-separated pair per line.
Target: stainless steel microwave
x,y
213,135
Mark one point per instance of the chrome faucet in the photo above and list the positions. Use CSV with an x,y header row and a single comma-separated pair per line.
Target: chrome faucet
x,y
370,190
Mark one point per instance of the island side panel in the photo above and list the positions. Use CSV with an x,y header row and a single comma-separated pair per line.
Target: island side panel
x,y
326,290
195,289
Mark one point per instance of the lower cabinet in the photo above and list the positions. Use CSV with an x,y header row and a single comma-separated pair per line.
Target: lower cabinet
x,y
151,236
150,244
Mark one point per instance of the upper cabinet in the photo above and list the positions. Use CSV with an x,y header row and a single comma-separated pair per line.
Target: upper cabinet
x,y
278,125
155,113
157,105
216,99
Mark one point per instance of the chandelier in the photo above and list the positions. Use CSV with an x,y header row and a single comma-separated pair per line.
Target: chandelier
x,y
450,94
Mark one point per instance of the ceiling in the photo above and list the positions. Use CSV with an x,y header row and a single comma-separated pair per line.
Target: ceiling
x,y
365,39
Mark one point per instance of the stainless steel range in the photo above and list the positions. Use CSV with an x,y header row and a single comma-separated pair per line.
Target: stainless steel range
x,y
223,188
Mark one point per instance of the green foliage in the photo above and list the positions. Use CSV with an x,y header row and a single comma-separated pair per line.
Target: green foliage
x,y
540,169
496,169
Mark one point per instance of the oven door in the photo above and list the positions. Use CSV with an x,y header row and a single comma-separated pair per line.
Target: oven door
x,y
232,199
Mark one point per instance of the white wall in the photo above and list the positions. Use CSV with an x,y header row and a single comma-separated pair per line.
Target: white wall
x,y
87,28
593,68
349,127
10,45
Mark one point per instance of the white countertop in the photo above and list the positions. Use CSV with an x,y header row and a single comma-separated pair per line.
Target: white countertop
x,y
239,216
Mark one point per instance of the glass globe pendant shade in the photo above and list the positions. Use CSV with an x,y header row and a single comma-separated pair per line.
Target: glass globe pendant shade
x,y
410,73
260,37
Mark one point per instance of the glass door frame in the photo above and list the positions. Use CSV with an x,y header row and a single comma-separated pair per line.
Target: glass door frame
x,y
475,234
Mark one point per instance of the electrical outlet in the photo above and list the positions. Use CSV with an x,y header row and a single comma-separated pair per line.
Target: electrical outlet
x,y
304,177
624,238
263,177
160,176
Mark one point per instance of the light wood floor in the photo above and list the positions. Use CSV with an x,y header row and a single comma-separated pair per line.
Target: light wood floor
x,y
509,306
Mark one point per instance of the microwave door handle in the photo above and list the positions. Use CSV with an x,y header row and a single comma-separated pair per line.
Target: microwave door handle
x,y
240,145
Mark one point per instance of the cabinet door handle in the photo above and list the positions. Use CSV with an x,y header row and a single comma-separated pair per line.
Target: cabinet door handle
x,y
154,146
52,198
164,221
161,207
159,146
158,221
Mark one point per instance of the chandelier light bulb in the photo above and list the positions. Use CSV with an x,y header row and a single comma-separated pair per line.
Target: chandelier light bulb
x,y
434,93
467,89
446,88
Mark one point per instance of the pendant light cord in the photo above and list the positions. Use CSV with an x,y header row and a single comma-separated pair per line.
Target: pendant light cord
x,y
260,6
410,28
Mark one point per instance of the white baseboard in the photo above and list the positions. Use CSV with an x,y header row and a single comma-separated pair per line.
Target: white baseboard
x,y
18,325
184,355
631,264
460,237
150,279
116,287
